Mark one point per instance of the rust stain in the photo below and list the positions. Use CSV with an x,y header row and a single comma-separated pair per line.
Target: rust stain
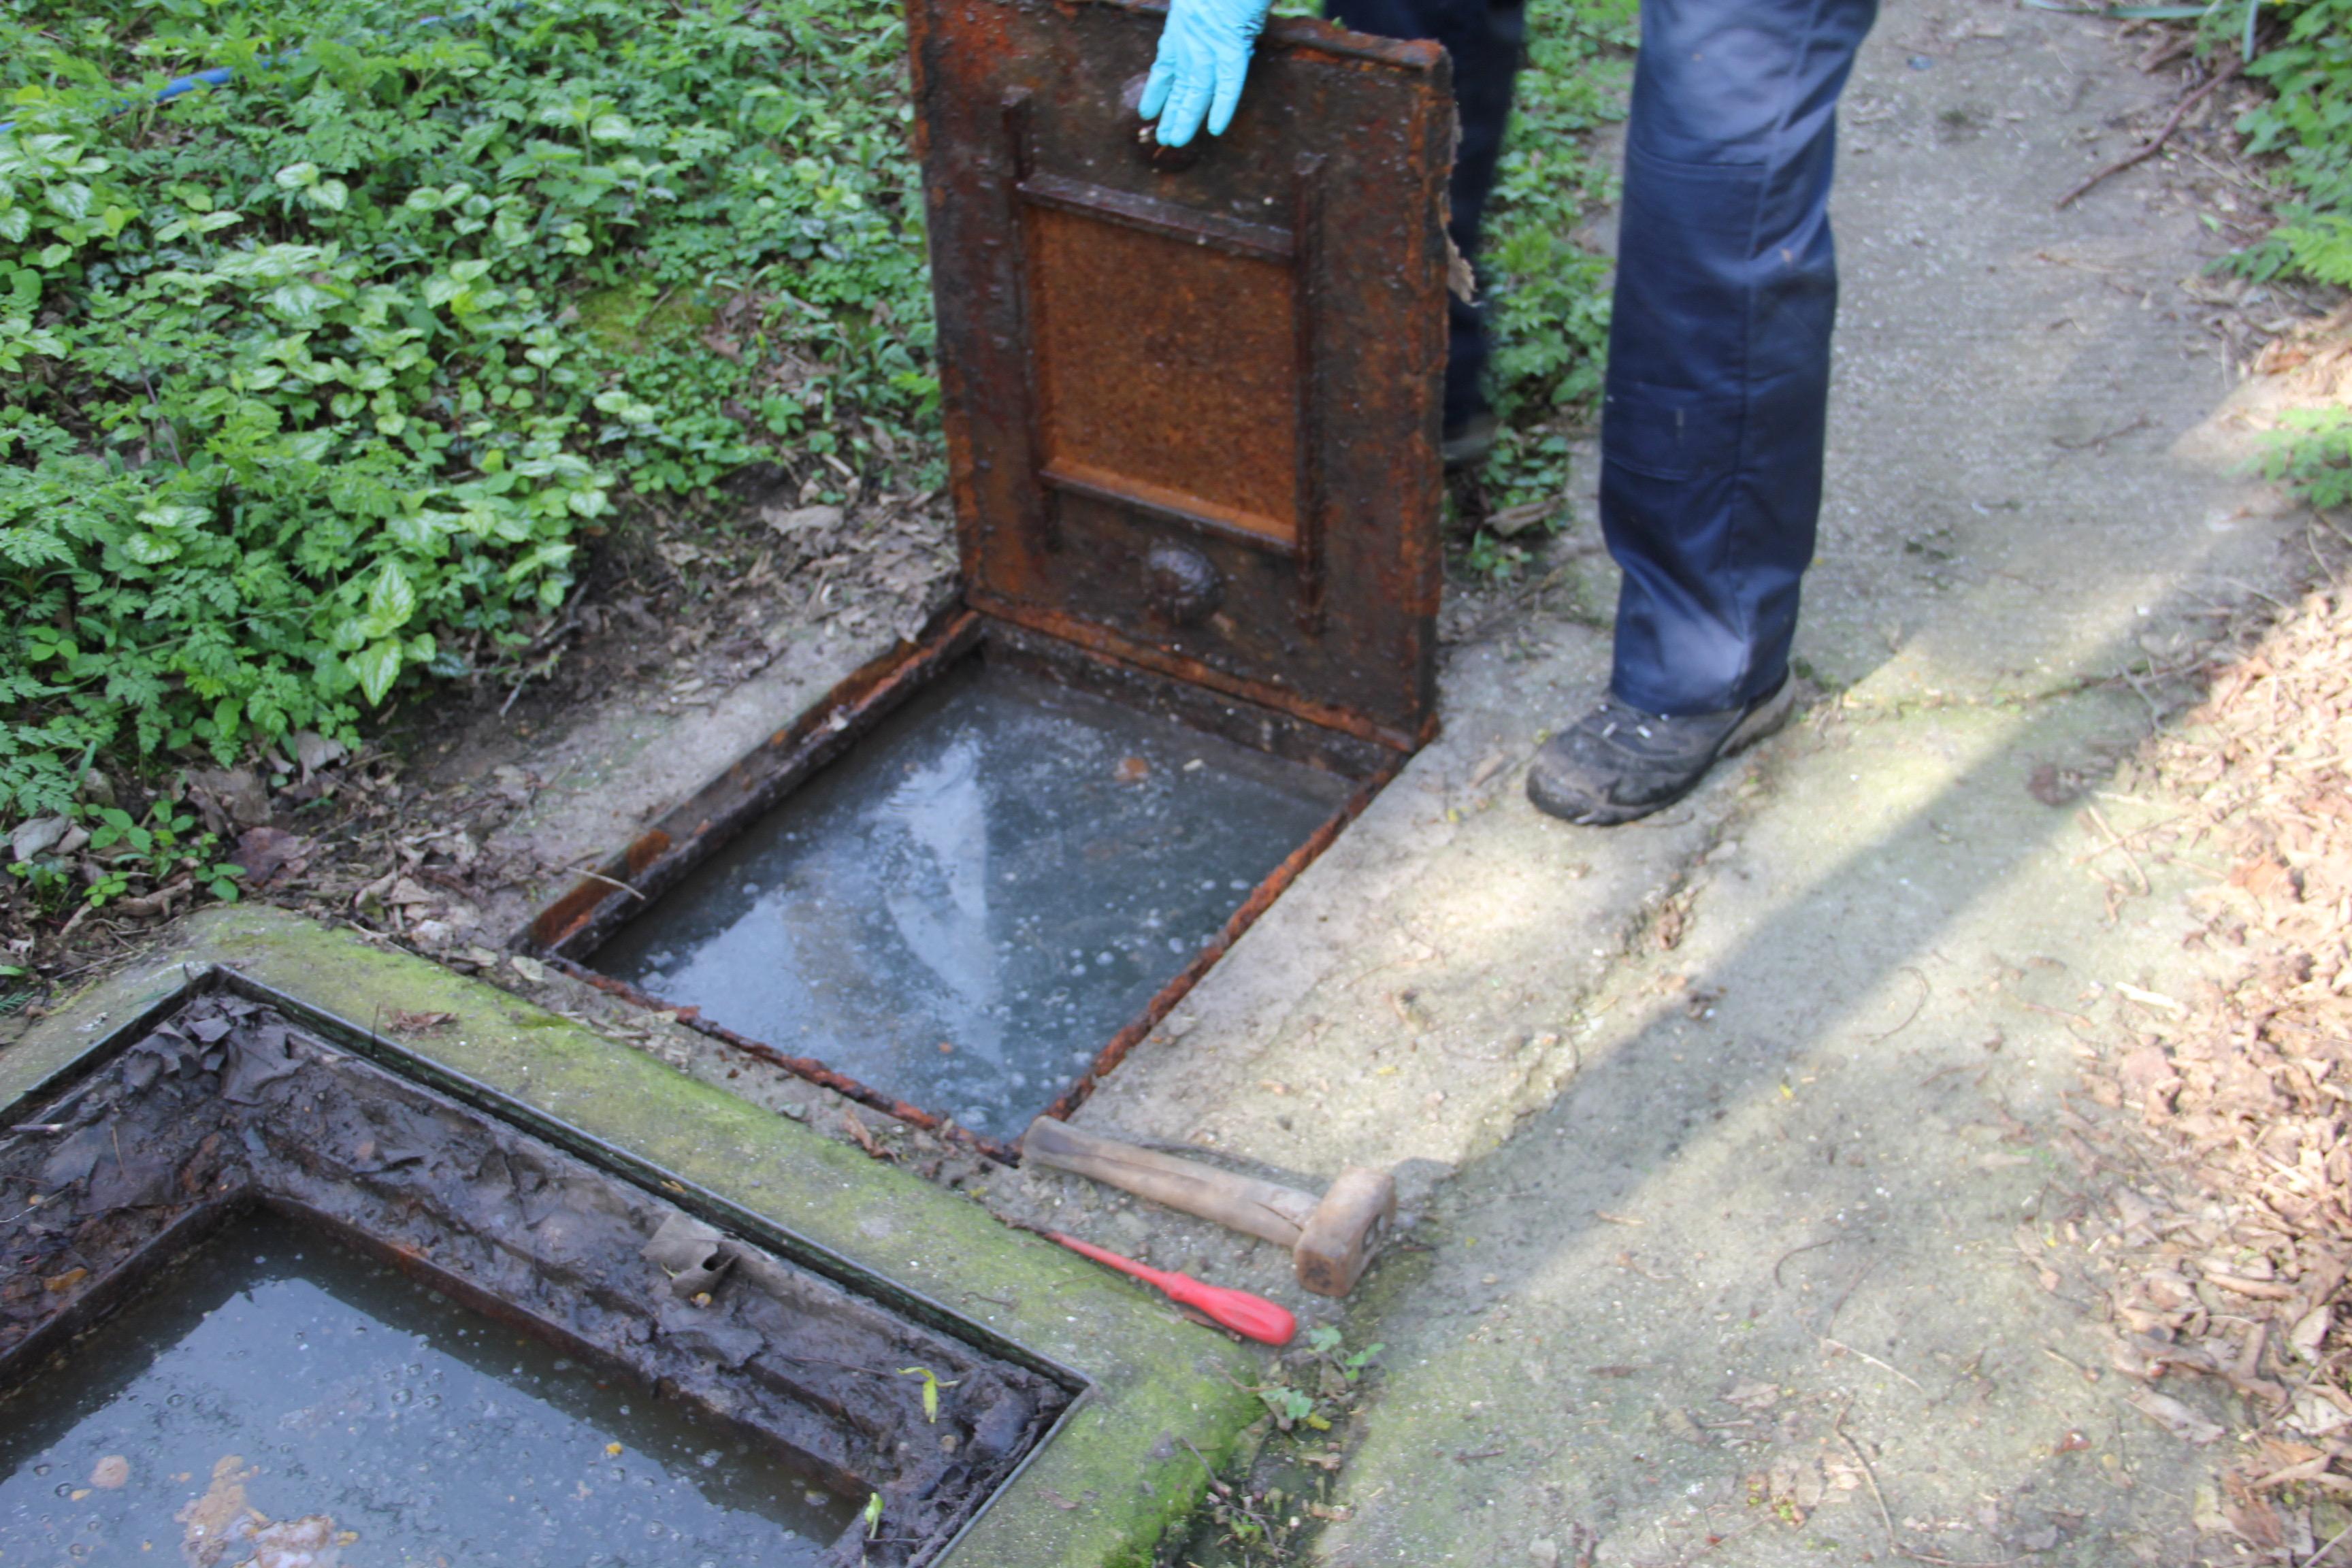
x,y
1169,369
1241,357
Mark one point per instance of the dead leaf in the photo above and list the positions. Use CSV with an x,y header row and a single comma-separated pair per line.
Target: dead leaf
x,y
1753,1396
211,1520
1461,278
1131,770
2264,876
805,519
531,970
314,751
58,1284
2311,1331
234,797
266,852
2254,1516
2174,1417
2053,787
32,837
407,1022
407,894
864,1140
1513,521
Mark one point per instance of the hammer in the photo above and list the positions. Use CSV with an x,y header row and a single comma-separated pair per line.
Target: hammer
x,y
1330,1239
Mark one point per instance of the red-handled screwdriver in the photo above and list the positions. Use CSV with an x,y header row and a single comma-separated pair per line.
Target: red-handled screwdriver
x,y
1252,1317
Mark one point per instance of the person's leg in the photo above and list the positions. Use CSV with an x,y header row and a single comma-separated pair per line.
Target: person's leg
x,y
1485,41
1718,385
1720,344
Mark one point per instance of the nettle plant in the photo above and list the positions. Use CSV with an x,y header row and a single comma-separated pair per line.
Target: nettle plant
x,y
308,384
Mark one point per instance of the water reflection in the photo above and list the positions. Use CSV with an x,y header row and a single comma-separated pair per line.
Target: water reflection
x,y
962,910
279,1400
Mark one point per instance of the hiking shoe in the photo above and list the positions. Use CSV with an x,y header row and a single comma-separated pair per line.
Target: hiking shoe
x,y
1618,763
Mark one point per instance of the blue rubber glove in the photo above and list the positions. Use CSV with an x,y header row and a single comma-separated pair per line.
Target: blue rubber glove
x,y
1205,52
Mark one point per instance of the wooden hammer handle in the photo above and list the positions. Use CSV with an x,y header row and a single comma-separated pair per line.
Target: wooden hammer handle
x,y
1243,1203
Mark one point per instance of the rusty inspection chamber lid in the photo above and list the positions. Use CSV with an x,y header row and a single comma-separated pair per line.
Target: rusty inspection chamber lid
x,y
1193,403
1193,395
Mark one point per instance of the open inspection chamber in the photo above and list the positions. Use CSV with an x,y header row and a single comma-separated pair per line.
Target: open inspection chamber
x,y
1193,403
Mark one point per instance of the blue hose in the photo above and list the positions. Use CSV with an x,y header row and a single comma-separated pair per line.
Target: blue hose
x,y
221,76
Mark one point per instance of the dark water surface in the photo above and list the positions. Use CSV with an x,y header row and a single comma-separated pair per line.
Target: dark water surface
x,y
964,910
372,1424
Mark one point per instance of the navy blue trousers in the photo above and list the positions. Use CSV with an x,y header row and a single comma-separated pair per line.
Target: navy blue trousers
x,y
1719,345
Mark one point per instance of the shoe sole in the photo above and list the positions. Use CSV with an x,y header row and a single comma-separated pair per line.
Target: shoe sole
x,y
1762,725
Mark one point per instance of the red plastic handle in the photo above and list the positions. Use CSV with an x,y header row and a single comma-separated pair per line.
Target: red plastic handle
x,y
1252,1317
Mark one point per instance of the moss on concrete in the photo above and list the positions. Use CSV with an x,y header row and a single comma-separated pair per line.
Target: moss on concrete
x,y
1123,1471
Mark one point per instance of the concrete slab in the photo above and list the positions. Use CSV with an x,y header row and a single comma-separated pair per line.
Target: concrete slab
x,y
1742,1139
1785,1238
1103,1491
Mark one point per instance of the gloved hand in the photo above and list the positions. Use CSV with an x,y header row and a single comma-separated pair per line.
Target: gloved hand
x,y
1205,52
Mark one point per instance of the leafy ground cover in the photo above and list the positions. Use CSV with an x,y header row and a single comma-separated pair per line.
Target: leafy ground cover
x,y
310,385
2305,122
315,384
1548,288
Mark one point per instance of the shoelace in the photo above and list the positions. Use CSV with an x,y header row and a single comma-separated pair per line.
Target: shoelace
x,y
1611,708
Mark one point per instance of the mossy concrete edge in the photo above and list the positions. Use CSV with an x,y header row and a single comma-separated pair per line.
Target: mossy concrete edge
x,y
1167,1395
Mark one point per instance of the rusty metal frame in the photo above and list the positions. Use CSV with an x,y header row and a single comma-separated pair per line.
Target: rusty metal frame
x,y
1332,174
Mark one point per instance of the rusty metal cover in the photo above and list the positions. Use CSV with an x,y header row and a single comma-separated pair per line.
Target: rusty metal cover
x,y
1193,397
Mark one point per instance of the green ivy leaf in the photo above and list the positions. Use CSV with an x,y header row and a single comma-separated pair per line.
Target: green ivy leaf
x,y
150,549
391,602
377,665
72,199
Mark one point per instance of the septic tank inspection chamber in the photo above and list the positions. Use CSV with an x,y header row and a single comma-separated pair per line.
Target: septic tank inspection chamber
x,y
278,1291
1192,401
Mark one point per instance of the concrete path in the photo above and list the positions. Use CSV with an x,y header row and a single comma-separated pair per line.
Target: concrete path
x,y
1738,1140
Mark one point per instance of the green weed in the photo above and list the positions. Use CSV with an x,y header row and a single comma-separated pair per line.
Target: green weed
x,y
1548,292
158,849
309,384
2305,122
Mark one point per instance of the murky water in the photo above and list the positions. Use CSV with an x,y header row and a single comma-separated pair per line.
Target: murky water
x,y
966,908
281,1400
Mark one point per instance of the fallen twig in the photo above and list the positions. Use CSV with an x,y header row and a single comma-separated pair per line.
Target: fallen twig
x,y
1808,1246
1927,989
1866,1355
2312,1561
1895,1541
2164,133
2115,842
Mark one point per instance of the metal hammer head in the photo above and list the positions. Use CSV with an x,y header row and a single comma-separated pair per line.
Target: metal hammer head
x,y
1344,1231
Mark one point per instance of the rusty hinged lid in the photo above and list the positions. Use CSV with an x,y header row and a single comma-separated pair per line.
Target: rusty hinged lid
x,y
1193,397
